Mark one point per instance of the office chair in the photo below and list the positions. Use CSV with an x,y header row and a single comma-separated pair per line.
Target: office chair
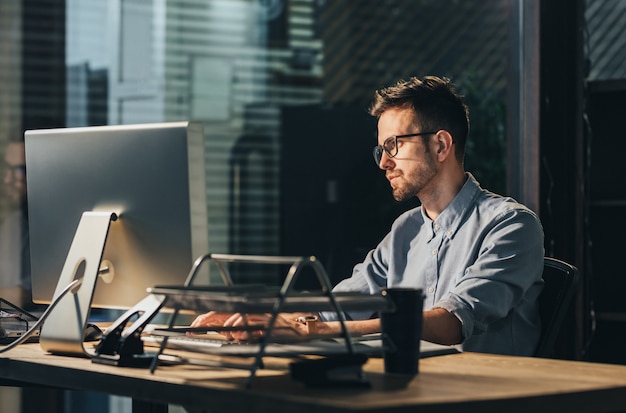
x,y
560,280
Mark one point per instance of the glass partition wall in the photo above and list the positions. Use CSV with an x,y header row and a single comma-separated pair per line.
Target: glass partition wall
x,y
278,85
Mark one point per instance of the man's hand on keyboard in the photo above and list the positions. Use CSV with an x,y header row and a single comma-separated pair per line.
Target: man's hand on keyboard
x,y
285,325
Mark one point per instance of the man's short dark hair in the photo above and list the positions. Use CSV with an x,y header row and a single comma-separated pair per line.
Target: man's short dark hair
x,y
435,102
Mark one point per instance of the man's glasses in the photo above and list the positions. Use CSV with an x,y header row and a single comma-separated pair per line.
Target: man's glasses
x,y
15,171
390,146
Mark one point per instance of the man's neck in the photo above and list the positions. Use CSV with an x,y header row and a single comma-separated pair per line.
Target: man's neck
x,y
437,198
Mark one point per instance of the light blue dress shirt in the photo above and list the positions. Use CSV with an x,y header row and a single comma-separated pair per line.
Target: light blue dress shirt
x,y
481,260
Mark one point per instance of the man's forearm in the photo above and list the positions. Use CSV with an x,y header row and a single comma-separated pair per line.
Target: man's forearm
x,y
439,326
356,327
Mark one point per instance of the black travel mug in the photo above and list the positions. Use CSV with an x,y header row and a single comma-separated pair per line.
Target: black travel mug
x,y
402,330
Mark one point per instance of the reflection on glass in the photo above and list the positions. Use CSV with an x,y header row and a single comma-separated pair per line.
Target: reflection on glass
x,y
14,257
240,65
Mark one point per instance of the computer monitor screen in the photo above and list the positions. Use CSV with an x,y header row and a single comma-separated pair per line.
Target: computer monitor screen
x,y
151,175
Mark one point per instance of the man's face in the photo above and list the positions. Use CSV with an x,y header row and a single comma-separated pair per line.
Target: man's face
x,y
414,167
15,173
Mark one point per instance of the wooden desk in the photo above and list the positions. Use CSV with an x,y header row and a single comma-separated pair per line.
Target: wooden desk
x,y
467,382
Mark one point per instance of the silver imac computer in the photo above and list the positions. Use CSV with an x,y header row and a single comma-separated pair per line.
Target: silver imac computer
x,y
119,208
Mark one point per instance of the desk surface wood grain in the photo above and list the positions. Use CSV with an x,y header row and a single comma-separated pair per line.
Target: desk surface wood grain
x,y
466,382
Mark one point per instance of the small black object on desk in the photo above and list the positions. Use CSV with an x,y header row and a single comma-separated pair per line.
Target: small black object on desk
x,y
337,370
92,333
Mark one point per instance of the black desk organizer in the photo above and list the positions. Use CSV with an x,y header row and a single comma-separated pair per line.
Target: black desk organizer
x,y
121,345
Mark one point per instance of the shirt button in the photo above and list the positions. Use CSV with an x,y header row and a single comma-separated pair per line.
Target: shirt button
x,y
437,226
449,233
431,290
435,251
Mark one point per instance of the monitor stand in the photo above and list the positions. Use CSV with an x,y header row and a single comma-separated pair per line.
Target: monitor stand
x,y
63,330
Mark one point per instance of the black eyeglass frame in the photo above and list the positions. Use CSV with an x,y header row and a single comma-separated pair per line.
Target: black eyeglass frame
x,y
15,170
379,149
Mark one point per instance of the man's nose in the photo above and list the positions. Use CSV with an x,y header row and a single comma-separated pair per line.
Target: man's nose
x,y
386,161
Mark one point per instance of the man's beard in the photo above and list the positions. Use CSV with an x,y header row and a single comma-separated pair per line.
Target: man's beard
x,y
404,193
414,183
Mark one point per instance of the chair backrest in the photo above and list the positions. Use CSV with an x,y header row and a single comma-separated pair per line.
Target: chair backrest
x,y
560,281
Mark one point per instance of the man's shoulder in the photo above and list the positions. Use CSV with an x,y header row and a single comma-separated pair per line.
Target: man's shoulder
x,y
500,204
505,212
489,205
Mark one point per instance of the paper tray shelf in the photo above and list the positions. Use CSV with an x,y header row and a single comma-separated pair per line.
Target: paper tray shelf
x,y
245,299
204,299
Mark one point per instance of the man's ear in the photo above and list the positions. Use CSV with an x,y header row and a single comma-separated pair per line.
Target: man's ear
x,y
445,145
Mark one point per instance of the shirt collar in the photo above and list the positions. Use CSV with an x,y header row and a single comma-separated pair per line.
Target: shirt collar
x,y
451,218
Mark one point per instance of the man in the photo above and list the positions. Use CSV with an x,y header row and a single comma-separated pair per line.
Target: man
x,y
14,249
477,256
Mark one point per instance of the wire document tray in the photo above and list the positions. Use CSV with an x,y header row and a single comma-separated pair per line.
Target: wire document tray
x,y
123,345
